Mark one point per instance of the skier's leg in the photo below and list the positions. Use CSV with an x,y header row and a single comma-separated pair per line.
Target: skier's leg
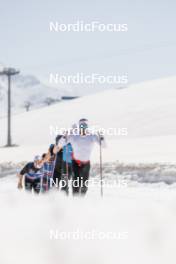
x,y
64,178
70,170
36,185
44,184
84,175
56,178
76,178
28,184
57,171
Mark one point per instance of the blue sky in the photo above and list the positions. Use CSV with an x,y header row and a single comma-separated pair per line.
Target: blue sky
x,y
146,51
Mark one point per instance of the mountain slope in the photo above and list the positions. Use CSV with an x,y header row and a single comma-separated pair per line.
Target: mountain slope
x,y
26,88
147,110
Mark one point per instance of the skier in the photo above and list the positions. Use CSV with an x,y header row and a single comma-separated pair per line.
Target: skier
x,y
82,144
48,168
58,163
32,173
66,167
63,165
67,160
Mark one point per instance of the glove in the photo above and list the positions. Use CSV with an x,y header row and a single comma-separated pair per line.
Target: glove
x,y
101,138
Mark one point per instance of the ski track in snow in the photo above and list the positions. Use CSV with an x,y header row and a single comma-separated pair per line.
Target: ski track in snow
x,y
143,173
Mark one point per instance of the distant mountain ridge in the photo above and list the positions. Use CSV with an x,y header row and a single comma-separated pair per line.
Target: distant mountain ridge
x,y
27,89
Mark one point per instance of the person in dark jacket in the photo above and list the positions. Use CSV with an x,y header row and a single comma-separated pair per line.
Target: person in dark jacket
x,y
32,174
48,169
57,175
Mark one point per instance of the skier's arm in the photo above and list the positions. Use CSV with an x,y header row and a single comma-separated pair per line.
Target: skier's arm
x,y
20,177
64,141
56,149
20,181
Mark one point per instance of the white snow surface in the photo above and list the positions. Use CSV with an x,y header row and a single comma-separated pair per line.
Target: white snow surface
x,y
142,217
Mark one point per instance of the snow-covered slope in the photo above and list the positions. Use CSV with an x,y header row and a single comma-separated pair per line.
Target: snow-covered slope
x,y
130,225
28,89
147,110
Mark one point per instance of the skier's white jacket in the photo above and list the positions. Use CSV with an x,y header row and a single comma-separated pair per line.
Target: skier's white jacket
x,y
82,145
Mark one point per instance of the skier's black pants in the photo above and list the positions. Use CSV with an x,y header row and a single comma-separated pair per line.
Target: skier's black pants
x,y
66,176
57,178
32,184
60,177
46,184
67,169
80,177
58,169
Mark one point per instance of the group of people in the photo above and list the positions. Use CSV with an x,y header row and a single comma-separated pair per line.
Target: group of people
x,y
67,159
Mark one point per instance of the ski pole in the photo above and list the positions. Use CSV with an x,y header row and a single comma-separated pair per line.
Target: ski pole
x,y
67,153
54,166
41,183
41,179
101,167
66,166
